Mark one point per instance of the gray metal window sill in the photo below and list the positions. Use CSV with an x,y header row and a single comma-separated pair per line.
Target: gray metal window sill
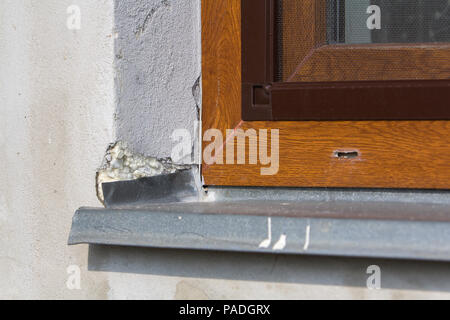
x,y
354,223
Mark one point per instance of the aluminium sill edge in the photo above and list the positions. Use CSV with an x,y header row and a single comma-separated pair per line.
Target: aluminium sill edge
x,y
351,223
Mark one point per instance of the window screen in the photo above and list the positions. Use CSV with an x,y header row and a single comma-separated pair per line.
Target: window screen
x,y
355,22
388,21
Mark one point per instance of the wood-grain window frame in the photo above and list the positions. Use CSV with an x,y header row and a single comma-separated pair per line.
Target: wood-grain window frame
x,y
390,154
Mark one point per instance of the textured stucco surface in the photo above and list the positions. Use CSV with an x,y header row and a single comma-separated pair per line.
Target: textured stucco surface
x,y
64,97
157,57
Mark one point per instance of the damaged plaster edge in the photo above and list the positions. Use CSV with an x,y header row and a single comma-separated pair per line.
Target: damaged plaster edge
x,y
155,163
121,164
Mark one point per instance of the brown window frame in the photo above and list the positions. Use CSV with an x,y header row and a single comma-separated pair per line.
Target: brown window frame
x,y
391,154
342,95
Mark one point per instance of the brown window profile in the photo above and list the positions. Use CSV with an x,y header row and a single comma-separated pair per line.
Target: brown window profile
x,y
296,65
351,113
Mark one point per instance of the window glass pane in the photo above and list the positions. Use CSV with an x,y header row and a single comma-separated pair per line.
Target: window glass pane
x,y
388,21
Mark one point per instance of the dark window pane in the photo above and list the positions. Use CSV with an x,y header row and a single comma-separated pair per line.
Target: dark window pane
x,y
388,21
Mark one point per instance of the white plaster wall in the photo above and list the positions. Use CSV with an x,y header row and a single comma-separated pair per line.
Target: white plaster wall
x,y
57,105
167,274
158,54
64,96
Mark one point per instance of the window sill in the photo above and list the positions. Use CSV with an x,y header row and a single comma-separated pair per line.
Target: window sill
x,y
382,224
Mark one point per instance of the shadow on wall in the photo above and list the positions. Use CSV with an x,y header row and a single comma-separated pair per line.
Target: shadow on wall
x,y
396,274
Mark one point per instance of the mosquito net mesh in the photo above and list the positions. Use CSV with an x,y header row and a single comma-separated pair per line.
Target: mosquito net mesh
x,y
303,25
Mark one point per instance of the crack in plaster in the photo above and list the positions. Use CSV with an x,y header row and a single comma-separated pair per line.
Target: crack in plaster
x,y
196,93
148,18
